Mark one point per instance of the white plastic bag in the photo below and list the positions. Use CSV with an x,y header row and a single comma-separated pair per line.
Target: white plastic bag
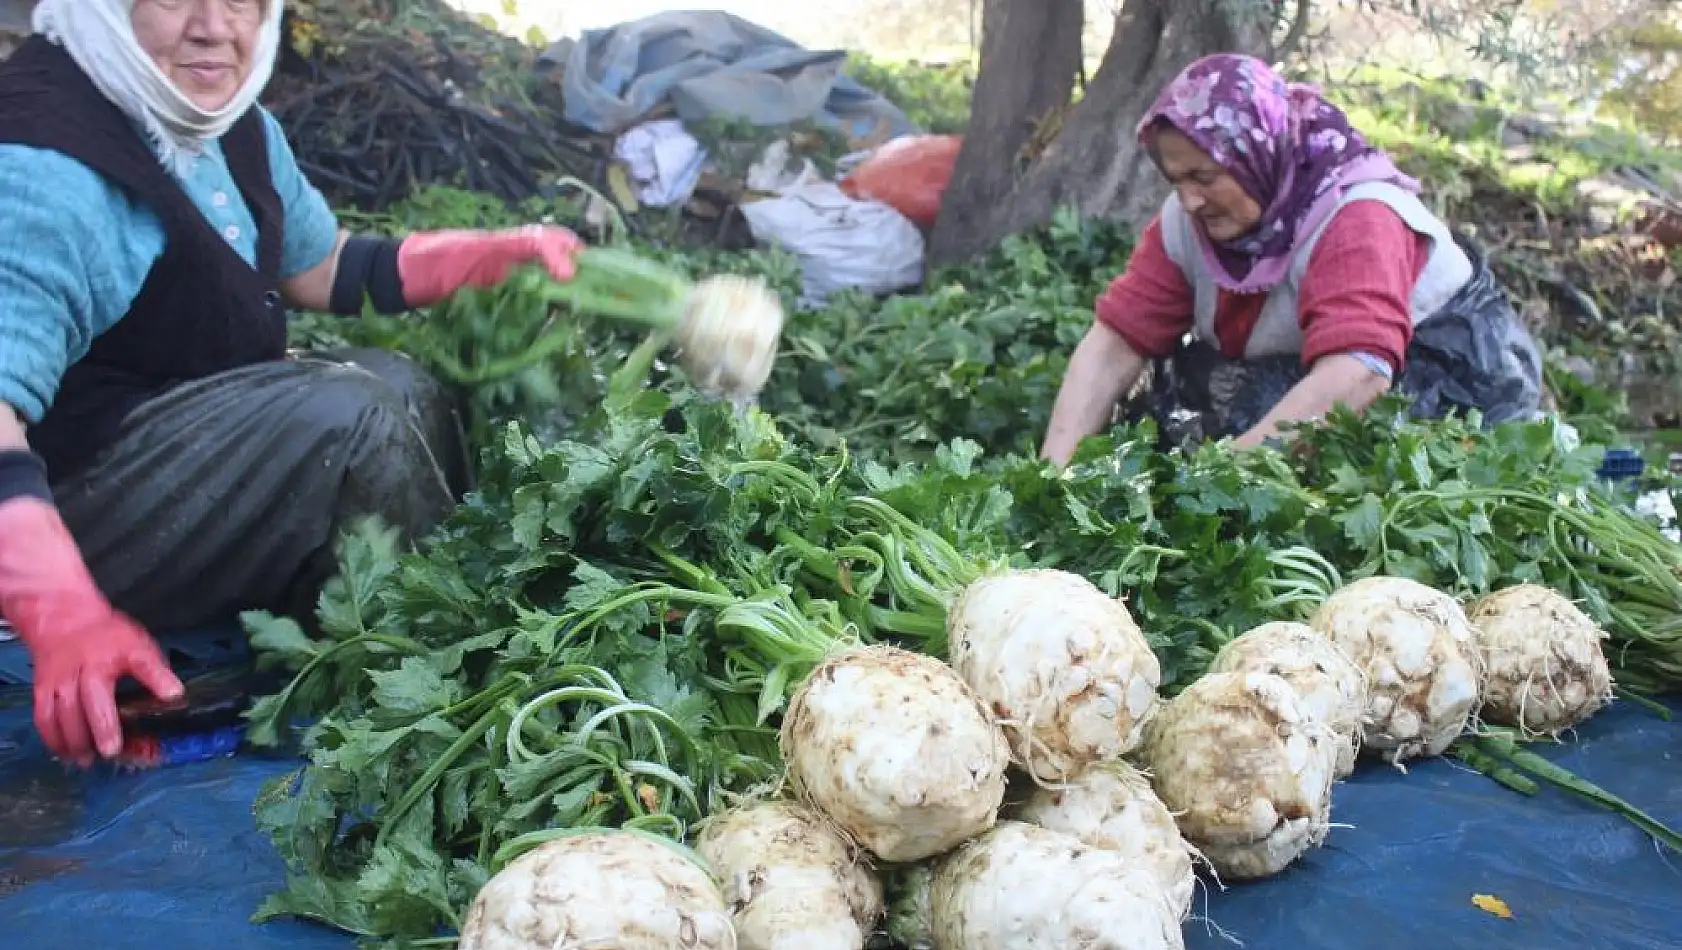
x,y
1659,506
841,242
664,160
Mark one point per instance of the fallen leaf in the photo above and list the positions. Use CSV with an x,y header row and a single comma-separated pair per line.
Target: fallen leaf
x,y
1491,904
650,798
619,182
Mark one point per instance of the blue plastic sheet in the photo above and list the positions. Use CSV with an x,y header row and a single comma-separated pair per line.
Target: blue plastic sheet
x,y
1423,844
710,63
170,858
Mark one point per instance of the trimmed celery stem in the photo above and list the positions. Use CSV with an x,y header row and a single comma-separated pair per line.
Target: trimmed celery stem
x,y
622,286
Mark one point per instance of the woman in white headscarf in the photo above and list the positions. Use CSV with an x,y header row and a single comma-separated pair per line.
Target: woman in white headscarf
x,y
163,462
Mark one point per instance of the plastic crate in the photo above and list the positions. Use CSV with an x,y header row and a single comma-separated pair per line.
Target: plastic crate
x,y
1622,465
190,652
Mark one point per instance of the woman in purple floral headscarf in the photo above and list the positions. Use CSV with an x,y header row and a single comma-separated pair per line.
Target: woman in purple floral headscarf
x,y
1305,268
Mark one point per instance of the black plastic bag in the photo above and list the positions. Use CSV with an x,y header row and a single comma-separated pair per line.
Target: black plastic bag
x,y
1474,353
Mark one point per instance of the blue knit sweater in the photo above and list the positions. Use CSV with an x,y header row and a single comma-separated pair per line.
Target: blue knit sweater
x,y
75,250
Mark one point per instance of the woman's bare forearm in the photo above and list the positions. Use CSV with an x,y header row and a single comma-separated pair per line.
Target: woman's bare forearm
x,y
1101,370
12,432
313,289
1334,380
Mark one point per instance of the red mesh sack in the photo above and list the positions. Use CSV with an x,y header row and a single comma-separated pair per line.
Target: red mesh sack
x,y
909,174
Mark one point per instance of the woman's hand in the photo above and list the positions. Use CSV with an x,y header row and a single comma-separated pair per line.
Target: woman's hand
x,y
80,646
434,265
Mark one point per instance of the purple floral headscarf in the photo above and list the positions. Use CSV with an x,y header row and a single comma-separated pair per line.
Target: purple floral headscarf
x,y
1294,153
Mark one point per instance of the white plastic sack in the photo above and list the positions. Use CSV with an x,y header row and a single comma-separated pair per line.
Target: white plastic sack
x,y
841,242
771,174
664,161
1658,506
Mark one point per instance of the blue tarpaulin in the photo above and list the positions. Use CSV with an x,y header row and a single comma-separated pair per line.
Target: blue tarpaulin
x,y
170,858
709,63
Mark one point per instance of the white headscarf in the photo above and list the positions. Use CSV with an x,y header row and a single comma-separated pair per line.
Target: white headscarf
x,y
99,36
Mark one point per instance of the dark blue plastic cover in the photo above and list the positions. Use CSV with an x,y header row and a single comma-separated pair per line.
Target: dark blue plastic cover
x,y
1622,463
169,858
190,652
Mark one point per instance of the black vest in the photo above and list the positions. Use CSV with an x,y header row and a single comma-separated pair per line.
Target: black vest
x,y
202,310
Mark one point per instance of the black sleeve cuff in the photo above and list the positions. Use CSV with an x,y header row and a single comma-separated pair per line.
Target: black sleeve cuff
x,y
23,474
368,270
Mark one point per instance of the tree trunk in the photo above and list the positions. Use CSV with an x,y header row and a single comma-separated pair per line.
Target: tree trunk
x,y
1093,163
1030,54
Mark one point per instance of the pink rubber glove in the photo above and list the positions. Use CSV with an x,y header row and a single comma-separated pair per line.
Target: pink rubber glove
x,y
81,646
433,265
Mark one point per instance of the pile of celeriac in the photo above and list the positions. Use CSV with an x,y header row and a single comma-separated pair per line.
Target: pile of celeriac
x,y
898,803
